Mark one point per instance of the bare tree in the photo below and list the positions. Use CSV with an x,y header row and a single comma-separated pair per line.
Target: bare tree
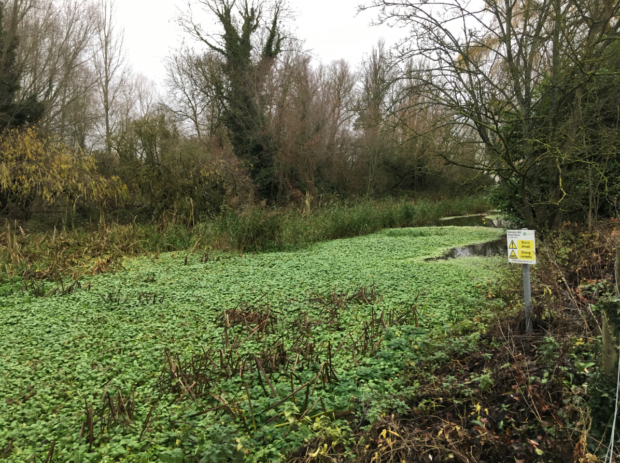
x,y
373,105
510,77
193,81
111,69
309,122
53,58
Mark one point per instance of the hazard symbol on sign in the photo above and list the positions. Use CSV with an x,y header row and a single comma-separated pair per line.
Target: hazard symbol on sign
x,y
522,247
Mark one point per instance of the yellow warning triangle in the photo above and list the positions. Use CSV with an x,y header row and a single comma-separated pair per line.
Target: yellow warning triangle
x,y
513,255
513,246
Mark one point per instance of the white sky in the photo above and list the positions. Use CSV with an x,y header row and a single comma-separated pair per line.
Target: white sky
x,y
330,28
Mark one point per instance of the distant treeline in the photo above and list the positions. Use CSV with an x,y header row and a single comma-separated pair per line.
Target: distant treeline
x,y
522,102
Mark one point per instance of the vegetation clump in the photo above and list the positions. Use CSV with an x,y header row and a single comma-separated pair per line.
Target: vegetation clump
x,y
37,250
249,263
153,367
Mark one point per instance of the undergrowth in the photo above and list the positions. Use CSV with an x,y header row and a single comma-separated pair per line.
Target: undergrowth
x,y
220,357
392,365
510,396
66,250
486,401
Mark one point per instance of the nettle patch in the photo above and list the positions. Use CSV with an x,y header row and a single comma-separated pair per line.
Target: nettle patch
x,y
230,358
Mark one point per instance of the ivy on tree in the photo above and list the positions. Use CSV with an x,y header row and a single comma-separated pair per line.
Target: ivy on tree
x,y
245,72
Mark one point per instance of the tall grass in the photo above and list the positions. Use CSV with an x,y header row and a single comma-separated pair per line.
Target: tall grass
x,y
75,251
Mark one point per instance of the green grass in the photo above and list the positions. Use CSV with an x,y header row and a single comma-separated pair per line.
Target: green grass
x,y
107,350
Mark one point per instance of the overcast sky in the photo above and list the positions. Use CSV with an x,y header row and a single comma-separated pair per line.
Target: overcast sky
x,y
330,28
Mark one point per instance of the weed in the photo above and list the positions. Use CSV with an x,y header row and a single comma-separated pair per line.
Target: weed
x,y
52,254
268,350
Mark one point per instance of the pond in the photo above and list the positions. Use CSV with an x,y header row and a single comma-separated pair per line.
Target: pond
x,y
487,249
478,220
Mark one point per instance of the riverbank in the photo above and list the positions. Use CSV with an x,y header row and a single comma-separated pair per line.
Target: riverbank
x,y
28,251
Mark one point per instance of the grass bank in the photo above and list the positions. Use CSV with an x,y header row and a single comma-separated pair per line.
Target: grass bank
x,y
97,248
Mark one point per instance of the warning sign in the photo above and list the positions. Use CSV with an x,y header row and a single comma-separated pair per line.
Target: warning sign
x,y
522,247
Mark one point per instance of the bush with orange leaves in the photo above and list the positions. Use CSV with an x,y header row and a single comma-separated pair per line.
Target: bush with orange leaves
x,y
39,167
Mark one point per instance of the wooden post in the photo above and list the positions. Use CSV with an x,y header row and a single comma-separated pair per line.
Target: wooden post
x,y
610,341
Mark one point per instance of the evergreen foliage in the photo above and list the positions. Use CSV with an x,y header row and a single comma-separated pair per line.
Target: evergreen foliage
x,y
244,108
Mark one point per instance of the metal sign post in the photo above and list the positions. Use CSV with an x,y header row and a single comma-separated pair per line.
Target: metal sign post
x,y
522,250
527,292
